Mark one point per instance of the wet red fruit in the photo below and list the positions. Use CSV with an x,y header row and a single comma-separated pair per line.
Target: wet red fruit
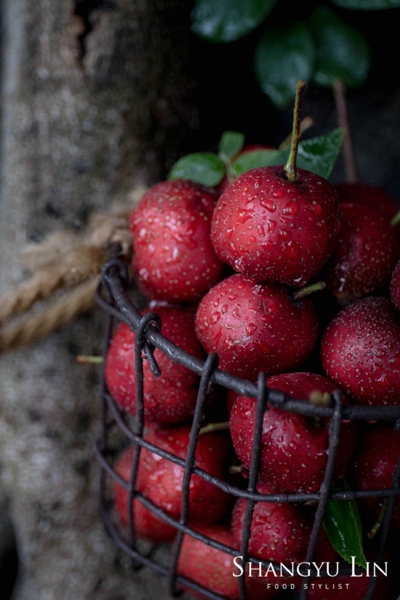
x,y
146,524
294,448
374,467
214,568
279,532
170,398
161,479
275,230
360,351
365,255
173,256
256,327
395,286
367,195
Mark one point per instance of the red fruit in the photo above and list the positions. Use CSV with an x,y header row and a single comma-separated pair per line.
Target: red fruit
x,y
365,255
170,398
294,447
256,327
360,351
173,256
274,230
395,286
374,197
214,568
161,480
374,467
279,532
146,524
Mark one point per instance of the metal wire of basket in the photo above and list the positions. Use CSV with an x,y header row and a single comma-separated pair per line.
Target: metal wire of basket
x,y
148,337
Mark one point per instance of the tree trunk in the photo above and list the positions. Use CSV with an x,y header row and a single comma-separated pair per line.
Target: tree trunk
x,y
94,102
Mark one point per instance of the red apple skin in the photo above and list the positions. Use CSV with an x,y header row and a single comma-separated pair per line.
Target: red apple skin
x,y
275,230
256,327
294,448
367,195
173,258
214,568
395,286
360,351
161,480
170,398
147,525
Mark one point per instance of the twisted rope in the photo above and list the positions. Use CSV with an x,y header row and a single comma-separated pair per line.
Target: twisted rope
x,y
68,262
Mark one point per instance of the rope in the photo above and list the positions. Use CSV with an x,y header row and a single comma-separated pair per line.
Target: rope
x,y
64,261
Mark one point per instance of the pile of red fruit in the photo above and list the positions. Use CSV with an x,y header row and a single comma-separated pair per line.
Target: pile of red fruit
x,y
231,276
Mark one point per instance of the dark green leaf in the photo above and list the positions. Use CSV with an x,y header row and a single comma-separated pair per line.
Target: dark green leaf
x,y
342,524
228,20
342,52
367,4
257,158
319,154
202,167
283,57
230,144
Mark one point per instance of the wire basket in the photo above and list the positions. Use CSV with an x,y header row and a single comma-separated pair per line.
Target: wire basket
x,y
119,307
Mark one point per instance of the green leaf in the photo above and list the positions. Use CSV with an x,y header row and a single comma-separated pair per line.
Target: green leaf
x,y
342,52
319,154
257,158
202,167
282,57
342,524
367,4
230,144
228,20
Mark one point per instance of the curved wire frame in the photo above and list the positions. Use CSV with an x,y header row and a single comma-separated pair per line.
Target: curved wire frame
x,y
116,302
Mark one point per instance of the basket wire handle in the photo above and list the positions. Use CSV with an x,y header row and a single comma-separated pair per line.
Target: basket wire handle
x,y
210,365
253,476
335,426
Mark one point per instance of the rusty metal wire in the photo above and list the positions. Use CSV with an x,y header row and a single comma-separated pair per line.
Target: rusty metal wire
x,y
113,297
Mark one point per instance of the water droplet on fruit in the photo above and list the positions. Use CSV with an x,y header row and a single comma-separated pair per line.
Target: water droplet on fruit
x,y
232,296
384,380
224,309
261,230
229,232
291,249
315,208
244,215
236,313
380,353
251,328
291,208
271,225
283,233
238,263
215,317
252,239
268,204
277,194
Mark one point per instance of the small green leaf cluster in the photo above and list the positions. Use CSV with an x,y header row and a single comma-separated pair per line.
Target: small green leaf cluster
x,y
318,155
321,48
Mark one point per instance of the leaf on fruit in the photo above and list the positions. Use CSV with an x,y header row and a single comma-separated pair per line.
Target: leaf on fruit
x,y
230,144
342,51
367,4
256,158
342,524
228,20
202,167
319,154
282,57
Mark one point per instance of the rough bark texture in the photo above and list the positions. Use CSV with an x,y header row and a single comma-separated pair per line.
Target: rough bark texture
x,y
86,114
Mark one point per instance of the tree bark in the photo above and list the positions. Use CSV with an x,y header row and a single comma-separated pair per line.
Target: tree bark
x,y
93,103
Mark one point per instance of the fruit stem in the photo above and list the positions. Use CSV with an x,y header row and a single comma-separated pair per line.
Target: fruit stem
x,y
395,220
375,528
339,93
305,124
309,289
290,167
89,360
214,427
